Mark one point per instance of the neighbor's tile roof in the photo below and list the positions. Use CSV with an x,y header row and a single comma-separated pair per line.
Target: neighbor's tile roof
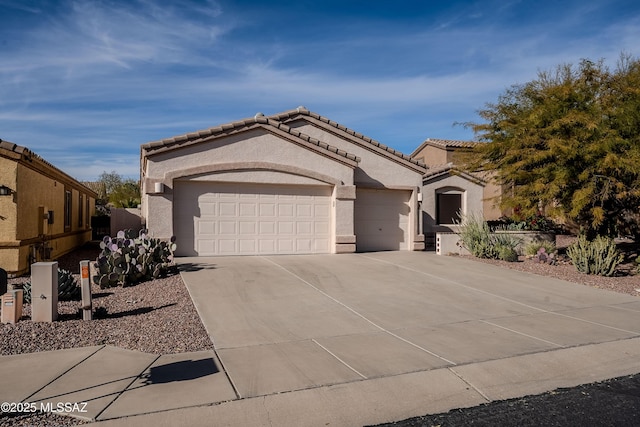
x,y
444,143
10,146
302,111
258,121
29,157
450,168
452,143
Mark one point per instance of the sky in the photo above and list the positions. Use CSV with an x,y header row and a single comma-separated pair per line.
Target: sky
x,y
83,83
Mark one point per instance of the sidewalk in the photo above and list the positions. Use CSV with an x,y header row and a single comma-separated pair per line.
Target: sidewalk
x,y
122,387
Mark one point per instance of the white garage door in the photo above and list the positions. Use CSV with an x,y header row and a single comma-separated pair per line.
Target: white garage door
x,y
251,219
382,219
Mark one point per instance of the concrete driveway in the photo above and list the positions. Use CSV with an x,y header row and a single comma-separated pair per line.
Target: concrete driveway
x,y
398,333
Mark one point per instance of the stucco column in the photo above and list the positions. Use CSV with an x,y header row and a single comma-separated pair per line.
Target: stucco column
x,y
417,243
344,196
159,217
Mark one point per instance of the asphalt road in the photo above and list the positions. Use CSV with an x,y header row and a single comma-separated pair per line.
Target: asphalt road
x,y
613,402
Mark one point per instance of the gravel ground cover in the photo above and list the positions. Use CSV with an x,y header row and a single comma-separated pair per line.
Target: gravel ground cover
x,y
159,317
625,281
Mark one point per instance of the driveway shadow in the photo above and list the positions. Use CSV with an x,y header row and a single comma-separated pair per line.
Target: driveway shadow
x,y
184,370
190,266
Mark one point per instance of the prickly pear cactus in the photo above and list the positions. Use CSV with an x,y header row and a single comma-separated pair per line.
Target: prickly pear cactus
x,y
126,259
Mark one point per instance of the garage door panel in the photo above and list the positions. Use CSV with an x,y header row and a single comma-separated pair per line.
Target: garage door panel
x,y
247,246
227,227
285,245
267,227
235,219
226,209
285,210
286,227
321,211
305,227
247,228
267,246
247,209
207,227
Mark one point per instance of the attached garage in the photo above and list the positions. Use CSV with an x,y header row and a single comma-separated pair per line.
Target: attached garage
x,y
291,183
382,219
251,219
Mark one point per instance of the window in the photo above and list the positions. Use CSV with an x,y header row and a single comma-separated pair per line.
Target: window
x,y
80,211
67,210
449,205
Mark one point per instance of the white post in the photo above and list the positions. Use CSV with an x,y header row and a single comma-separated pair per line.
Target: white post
x,y
44,291
85,287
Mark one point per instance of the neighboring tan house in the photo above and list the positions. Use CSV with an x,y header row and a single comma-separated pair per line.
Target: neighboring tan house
x,y
291,183
44,213
449,190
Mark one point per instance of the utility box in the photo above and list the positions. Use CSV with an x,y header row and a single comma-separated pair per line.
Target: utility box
x,y
85,288
12,306
44,291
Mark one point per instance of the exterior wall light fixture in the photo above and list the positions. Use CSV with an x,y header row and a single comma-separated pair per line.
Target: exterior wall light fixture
x,y
5,191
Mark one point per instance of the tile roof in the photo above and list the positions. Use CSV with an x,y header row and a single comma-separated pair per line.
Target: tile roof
x,y
444,143
449,168
303,111
451,143
259,120
29,157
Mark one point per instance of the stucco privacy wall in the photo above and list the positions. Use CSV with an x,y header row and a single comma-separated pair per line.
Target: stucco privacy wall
x,y
268,150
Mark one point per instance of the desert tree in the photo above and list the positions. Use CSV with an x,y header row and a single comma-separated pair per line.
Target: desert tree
x,y
568,143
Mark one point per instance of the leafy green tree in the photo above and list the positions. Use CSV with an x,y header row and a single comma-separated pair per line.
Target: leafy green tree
x,y
119,192
568,143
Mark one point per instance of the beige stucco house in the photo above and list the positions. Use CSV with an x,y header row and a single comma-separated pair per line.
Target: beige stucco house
x,y
291,183
44,213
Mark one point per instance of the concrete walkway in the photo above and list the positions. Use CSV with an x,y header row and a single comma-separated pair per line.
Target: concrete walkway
x,y
347,340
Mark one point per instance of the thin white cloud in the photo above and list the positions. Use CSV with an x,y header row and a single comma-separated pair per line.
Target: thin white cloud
x,y
118,74
20,5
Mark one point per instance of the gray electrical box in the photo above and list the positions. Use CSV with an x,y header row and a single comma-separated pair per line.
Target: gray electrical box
x,y
44,291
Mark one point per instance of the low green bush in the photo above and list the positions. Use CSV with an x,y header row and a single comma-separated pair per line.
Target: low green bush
x,y
533,248
507,253
599,256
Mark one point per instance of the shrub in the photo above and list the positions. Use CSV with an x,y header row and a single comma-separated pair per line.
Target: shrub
x,y
507,253
477,237
599,256
537,222
533,248
126,260
68,289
